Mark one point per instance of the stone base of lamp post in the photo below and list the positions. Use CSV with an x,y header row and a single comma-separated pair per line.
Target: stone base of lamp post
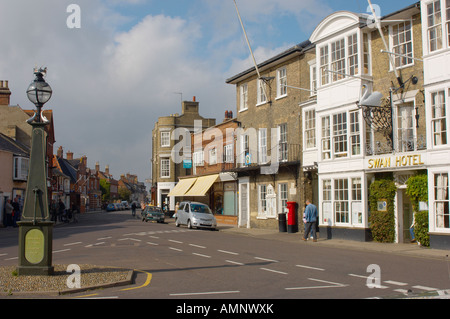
x,y
35,249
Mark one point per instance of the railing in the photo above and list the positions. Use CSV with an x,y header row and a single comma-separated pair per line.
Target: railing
x,y
402,145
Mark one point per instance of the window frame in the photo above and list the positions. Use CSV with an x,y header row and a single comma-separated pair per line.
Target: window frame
x,y
393,46
243,93
165,166
165,140
442,119
282,82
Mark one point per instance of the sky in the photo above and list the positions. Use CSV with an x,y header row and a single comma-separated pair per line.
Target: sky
x,y
127,61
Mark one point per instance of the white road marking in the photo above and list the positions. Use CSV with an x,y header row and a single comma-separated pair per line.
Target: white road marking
x,y
331,285
275,271
396,283
198,246
308,267
175,249
235,262
60,251
152,244
175,241
206,256
71,244
227,252
103,238
265,259
12,258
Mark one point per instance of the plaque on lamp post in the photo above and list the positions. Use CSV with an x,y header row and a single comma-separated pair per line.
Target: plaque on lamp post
x,y
35,227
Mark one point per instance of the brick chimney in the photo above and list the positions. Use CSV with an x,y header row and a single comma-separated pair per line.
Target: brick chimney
x,y
5,93
69,155
107,169
190,106
60,152
97,167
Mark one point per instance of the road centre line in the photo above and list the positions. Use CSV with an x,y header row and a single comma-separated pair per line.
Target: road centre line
x,y
175,249
154,237
265,259
331,285
206,256
198,246
61,251
1,255
71,244
275,271
175,241
312,268
12,258
227,252
103,238
235,262
152,244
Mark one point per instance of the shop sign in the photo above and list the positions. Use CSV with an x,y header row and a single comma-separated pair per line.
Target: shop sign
x,y
396,161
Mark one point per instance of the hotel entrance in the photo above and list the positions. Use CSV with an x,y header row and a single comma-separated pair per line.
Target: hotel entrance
x,y
404,217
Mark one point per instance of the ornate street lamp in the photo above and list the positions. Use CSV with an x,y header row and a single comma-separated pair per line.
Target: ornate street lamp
x,y
35,227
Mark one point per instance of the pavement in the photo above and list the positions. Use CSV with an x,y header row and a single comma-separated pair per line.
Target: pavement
x,y
411,250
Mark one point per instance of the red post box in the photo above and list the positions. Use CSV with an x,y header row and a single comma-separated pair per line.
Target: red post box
x,y
292,217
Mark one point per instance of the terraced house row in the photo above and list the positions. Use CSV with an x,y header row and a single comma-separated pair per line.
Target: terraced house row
x,y
360,103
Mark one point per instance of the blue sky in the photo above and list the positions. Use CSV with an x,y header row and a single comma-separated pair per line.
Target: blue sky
x,y
119,72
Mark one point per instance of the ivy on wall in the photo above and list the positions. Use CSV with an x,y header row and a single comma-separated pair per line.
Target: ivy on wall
x,y
417,190
382,223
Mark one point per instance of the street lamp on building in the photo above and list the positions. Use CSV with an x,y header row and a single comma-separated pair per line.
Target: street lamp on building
x,y
35,227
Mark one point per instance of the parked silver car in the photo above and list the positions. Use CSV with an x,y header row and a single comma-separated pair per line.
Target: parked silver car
x,y
195,214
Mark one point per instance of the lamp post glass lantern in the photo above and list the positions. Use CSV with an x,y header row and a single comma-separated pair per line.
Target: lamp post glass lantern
x,y
35,227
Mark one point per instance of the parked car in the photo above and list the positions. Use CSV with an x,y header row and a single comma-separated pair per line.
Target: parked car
x,y
194,214
152,213
117,206
125,204
110,208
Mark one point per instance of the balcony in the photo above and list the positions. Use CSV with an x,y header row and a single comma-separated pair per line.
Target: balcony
x,y
403,145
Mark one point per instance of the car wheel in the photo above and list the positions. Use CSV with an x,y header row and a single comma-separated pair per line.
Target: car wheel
x,y
189,225
176,223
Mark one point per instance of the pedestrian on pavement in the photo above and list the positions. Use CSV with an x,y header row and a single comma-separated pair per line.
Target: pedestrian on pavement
x,y
311,215
61,209
54,210
133,209
411,229
16,212
9,213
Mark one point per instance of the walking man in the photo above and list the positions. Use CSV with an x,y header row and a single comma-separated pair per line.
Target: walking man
x,y
311,216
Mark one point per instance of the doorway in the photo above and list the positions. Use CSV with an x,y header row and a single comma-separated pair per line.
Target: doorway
x,y
244,219
404,217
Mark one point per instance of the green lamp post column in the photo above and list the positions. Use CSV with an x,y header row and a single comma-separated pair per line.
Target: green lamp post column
x,y
35,227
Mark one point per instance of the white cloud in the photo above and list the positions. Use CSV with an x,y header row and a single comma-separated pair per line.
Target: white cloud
x,y
110,85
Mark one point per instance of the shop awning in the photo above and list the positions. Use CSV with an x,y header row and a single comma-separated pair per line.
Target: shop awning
x,y
182,187
202,185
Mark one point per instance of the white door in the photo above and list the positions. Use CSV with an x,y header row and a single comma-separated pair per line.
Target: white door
x,y
244,219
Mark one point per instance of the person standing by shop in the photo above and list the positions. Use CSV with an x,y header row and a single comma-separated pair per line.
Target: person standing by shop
x,y
9,213
16,212
311,220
